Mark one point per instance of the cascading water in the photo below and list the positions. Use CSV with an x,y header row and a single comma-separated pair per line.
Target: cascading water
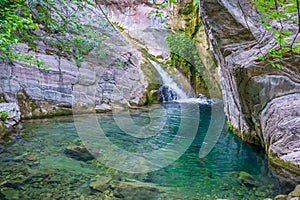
x,y
169,91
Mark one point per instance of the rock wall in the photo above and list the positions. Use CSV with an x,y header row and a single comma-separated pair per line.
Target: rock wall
x,y
261,102
184,16
116,78
135,20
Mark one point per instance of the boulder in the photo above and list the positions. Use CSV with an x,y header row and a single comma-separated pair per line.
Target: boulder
x,y
14,114
135,190
103,108
79,153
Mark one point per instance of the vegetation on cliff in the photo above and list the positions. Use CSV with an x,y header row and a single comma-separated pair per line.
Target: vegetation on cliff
x,y
67,26
280,17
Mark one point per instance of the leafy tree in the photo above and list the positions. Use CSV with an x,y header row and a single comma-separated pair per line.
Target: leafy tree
x,y
66,25
286,13
16,25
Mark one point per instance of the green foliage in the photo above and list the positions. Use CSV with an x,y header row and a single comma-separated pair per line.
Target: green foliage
x,y
185,56
283,12
162,5
16,25
64,24
3,116
183,49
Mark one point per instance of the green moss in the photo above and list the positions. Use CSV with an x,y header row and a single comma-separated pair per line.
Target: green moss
x,y
151,76
282,164
58,112
120,28
149,98
188,10
244,136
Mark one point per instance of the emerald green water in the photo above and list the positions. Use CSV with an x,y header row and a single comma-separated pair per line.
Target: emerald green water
x,y
34,166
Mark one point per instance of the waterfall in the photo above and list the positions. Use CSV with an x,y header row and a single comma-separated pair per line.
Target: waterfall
x,y
170,91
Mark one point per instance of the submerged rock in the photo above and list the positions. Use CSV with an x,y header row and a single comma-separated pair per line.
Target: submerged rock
x,y
101,184
79,153
135,190
247,179
129,189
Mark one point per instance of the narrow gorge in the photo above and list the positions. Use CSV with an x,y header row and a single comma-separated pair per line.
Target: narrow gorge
x,y
148,100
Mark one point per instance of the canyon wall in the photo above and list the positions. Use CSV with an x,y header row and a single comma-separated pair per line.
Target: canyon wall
x,y
262,103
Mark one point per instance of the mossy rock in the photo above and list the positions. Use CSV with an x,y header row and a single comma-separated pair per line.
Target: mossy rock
x,y
279,163
295,192
247,179
153,96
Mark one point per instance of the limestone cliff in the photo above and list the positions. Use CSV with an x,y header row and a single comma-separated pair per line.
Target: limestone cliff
x,y
115,79
262,103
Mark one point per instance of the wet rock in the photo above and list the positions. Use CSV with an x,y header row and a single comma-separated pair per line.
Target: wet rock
x,y
135,190
78,153
247,179
261,102
101,184
281,197
295,192
10,193
103,108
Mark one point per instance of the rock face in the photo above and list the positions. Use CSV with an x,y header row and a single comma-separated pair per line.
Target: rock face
x,y
261,102
13,111
135,19
10,117
117,78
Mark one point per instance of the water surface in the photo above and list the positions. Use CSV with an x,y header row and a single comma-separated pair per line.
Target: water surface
x,y
34,166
